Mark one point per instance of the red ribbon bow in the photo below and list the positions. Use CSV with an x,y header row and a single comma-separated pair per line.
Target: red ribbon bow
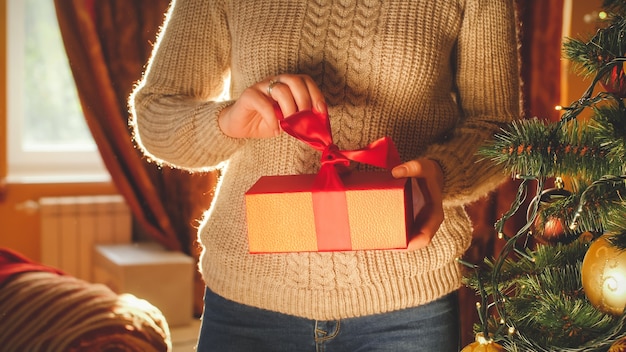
x,y
313,128
329,200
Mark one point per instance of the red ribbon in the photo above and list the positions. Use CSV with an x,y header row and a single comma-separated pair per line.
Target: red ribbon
x,y
329,199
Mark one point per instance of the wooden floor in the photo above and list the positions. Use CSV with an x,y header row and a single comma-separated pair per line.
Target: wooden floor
x,y
184,338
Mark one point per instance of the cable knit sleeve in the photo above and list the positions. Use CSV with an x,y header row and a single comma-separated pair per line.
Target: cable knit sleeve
x,y
174,108
487,78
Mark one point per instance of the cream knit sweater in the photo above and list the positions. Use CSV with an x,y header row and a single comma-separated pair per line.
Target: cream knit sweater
x,y
438,77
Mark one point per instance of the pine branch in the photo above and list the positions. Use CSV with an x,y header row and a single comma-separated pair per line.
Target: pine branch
x,y
521,149
583,56
545,303
519,342
535,147
615,8
609,125
590,56
618,239
601,205
515,269
557,319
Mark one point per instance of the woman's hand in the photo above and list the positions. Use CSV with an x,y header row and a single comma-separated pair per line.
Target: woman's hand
x,y
253,115
430,178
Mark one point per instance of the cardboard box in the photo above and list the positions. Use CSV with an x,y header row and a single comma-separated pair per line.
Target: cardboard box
x,y
379,210
148,271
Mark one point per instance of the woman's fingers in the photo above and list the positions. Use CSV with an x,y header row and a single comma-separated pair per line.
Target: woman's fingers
x,y
253,114
282,94
295,93
430,179
427,223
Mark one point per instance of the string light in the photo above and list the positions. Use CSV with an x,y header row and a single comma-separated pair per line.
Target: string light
x,y
482,340
595,16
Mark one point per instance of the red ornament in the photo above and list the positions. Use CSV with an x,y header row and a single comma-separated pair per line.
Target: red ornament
x,y
614,82
550,229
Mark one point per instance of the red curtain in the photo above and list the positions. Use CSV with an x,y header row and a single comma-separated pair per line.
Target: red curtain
x,y
108,44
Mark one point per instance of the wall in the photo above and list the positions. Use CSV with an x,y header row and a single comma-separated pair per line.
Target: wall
x,y
19,228
574,26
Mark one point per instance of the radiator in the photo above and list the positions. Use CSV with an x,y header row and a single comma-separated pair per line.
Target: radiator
x,y
72,226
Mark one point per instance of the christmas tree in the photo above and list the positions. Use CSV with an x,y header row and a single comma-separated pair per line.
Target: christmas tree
x,y
559,283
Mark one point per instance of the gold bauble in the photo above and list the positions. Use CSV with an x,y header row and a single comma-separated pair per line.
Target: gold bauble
x,y
618,346
604,276
482,345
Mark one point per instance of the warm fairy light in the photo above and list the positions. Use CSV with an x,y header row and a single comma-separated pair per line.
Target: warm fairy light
x,y
558,108
480,338
559,183
595,16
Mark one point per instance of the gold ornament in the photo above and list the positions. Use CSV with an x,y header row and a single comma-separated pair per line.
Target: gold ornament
x,y
483,345
618,346
604,276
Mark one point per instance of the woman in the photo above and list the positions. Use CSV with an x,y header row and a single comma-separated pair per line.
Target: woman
x,y
438,77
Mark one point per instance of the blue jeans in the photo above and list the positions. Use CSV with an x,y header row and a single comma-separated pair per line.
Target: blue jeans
x,y
230,327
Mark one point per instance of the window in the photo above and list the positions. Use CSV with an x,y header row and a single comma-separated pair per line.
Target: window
x,y
48,138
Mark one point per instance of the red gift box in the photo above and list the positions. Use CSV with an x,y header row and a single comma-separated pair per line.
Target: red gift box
x,y
380,213
332,210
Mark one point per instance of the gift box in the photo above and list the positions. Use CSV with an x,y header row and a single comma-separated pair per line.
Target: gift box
x,y
379,212
335,209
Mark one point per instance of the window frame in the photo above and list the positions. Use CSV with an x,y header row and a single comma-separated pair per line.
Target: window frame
x,y
58,163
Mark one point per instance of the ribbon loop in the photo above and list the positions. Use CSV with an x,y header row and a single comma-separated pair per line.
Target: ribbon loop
x,y
313,128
